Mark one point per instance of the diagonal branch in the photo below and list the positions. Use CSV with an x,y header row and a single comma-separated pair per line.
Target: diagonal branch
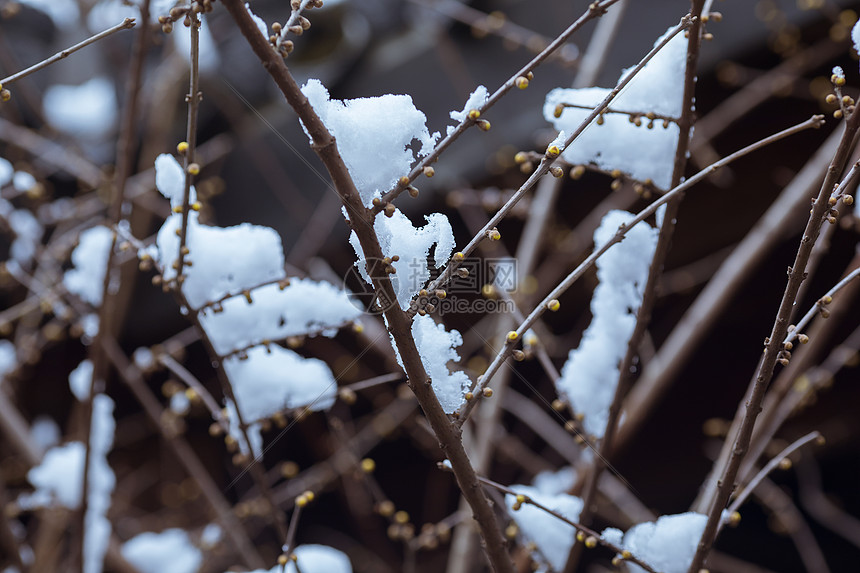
x,y
774,343
398,323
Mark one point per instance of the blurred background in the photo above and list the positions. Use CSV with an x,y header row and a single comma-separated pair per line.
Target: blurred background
x,y
766,68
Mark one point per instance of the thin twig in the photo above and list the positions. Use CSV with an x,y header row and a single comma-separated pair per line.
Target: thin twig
x,y
773,346
193,99
124,25
186,456
817,307
813,122
192,382
578,526
595,10
548,160
771,465
655,269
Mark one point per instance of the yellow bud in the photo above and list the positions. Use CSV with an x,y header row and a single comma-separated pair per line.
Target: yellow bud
x,y
429,171
194,169
734,518
289,469
474,114
282,559
368,465
401,517
553,305
487,392
553,151
591,542
182,147
512,336
577,172
520,157
522,82
785,464
385,508
458,257
484,125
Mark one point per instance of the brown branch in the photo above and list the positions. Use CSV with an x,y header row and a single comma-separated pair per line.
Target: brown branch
x,y
649,295
108,312
399,324
813,122
773,346
185,455
548,160
193,99
595,10
578,526
124,25
716,296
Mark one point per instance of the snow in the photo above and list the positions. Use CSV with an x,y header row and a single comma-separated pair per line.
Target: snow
x,y
553,537
838,72
437,347
90,259
88,110
89,323
476,100
558,141
397,236
390,122
590,375
272,380
23,181
640,152
8,358
143,358
57,478
314,559
27,229
80,380
180,404
261,24
170,551
170,180
100,484
211,534
305,306
855,36
6,171
667,545
553,483
44,433
225,260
